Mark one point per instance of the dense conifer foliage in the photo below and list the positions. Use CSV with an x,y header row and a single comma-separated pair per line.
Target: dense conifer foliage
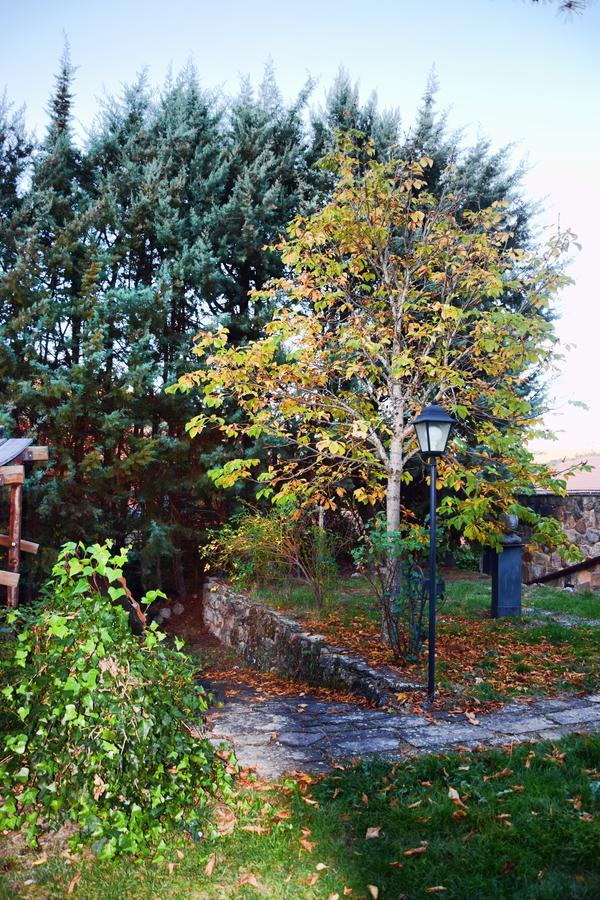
x,y
117,248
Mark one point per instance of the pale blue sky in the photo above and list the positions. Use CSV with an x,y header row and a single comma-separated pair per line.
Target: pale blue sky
x,y
515,70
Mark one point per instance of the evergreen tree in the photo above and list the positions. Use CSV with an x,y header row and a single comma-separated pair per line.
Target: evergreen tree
x,y
267,180
115,254
15,159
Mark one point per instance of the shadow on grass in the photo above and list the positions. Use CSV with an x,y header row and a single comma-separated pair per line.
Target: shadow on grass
x,y
481,825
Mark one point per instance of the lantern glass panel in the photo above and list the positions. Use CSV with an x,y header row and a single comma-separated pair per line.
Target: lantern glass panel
x,y
421,429
438,435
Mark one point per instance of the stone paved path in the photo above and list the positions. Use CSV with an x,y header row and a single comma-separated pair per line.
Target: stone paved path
x,y
278,734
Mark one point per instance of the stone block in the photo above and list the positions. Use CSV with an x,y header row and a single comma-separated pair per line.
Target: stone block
x,y
520,723
376,743
577,715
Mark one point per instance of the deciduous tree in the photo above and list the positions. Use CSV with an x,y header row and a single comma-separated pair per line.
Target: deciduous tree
x,y
394,298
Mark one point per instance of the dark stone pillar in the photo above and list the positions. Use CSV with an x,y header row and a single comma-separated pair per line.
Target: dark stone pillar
x,y
506,577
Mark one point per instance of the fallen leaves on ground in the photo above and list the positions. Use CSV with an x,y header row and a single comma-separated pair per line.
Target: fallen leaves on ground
x,y
270,684
470,652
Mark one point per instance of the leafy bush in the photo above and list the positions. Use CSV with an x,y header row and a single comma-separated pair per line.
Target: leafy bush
x,y
467,557
259,546
100,726
388,559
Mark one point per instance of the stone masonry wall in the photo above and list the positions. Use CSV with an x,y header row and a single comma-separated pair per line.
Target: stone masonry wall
x,y
271,641
579,515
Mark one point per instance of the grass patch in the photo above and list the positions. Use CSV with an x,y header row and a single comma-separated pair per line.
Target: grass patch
x,y
585,604
473,597
493,824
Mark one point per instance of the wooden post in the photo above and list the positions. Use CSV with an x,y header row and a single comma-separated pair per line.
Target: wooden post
x,y
14,535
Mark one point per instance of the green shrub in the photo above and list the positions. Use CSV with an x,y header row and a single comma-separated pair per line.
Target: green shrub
x,y
260,546
100,726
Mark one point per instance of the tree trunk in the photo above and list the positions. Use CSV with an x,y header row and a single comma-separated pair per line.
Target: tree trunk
x,y
392,576
179,576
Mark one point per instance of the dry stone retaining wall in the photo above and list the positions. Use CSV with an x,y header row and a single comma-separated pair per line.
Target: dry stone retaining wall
x,y
273,642
579,514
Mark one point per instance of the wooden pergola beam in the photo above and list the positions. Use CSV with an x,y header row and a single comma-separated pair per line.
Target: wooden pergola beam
x,y
26,546
12,474
9,579
14,452
33,454
14,536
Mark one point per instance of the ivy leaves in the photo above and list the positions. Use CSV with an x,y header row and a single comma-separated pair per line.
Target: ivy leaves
x,y
96,719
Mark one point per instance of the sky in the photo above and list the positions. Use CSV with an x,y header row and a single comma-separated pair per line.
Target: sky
x,y
513,70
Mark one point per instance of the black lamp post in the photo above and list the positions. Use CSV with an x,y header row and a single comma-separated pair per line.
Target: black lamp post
x,y
433,427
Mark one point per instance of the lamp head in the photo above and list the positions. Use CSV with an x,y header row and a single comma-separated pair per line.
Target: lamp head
x,y
433,426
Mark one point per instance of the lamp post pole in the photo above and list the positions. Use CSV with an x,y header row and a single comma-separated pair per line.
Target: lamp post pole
x,y
432,578
432,426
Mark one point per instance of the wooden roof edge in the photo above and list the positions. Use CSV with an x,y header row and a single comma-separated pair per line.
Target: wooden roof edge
x,y
567,570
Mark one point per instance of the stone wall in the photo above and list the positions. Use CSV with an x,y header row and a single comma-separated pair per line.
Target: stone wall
x,y
579,515
273,642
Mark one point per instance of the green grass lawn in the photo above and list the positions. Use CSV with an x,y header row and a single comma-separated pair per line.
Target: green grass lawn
x,y
468,597
482,825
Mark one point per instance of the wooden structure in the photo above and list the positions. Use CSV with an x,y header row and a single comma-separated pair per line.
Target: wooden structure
x,y
14,453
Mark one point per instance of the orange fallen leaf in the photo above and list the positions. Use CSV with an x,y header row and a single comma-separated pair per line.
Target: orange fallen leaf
x,y
210,865
373,890
282,814
373,832
320,867
415,851
252,880
455,797
436,889
309,846
73,883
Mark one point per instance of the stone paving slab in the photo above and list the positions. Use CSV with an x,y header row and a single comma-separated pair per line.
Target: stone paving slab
x,y
282,734
516,723
577,715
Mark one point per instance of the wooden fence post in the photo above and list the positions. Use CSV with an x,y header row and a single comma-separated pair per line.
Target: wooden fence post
x,y
14,536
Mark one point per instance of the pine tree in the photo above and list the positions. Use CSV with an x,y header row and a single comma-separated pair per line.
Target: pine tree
x,y
267,180
16,149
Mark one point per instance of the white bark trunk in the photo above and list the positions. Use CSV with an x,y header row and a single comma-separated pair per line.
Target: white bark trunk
x,y
389,617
